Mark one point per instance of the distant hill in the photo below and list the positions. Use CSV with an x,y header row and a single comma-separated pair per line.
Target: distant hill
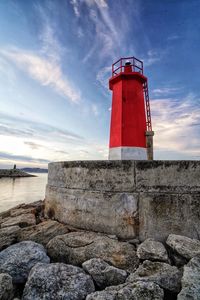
x,y
35,170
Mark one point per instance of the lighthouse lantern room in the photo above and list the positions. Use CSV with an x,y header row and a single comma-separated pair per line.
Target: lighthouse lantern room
x,y
131,135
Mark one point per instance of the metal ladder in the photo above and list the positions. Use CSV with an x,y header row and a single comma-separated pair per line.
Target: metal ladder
x,y
148,111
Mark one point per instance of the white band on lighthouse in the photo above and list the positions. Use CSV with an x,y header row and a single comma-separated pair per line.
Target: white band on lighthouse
x,y
127,153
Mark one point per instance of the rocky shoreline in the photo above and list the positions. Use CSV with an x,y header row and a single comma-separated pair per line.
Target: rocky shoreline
x,y
44,259
14,173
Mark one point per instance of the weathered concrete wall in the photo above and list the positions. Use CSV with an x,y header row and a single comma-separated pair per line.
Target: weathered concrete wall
x,y
126,198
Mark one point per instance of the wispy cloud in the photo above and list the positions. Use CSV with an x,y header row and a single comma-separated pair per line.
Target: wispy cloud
x,y
13,126
103,75
22,158
75,4
152,57
165,91
176,123
95,109
173,37
44,65
108,31
32,145
45,71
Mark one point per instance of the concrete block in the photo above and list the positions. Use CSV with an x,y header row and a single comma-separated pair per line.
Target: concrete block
x,y
93,175
112,213
167,176
161,214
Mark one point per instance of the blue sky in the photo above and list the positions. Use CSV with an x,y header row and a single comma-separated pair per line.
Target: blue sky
x,y
55,62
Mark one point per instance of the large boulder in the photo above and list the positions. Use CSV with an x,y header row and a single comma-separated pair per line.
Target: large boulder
x,y
152,250
17,260
133,291
104,274
57,281
43,232
8,236
183,245
191,280
21,221
6,287
166,276
77,247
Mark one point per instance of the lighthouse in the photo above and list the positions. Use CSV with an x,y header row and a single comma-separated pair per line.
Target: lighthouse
x,y
131,135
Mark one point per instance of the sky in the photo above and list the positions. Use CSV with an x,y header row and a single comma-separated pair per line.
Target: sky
x,y
55,63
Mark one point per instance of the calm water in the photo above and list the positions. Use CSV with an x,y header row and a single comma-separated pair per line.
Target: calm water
x,y
14,191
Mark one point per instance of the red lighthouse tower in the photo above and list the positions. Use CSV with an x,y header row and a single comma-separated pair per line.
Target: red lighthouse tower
x,y
131,135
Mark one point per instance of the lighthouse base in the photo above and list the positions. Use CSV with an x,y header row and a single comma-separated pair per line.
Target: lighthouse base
x,y
127,153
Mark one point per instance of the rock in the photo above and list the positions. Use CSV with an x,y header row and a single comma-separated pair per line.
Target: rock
x,y
166,276
103,274
59,281
8,236
6,287
22,211
77,247
135,291
17,260
183,245
152,250
21,220
103,295
191,280
43,232
34,207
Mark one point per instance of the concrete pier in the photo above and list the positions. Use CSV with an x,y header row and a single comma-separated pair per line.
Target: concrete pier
x,y
126,198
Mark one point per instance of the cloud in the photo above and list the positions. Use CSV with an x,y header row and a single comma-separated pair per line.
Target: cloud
x,y
19,127
176,124
62,152
46,72
103,75
95,109
152,57
173,37
33,146
75,5
165,91
108,32
21,158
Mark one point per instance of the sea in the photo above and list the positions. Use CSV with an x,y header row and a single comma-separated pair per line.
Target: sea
x,y
14,191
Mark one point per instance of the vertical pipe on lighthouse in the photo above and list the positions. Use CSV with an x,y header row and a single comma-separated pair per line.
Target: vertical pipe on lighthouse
x,y
128,128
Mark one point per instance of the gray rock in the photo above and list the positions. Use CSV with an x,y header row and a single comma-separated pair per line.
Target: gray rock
x,y
17,260
22,211
183,245
152,250
36,208
104,274
191,280
8,236
59,281
134,291
103,295
166,276
6,287
21,220
77,247
43,232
